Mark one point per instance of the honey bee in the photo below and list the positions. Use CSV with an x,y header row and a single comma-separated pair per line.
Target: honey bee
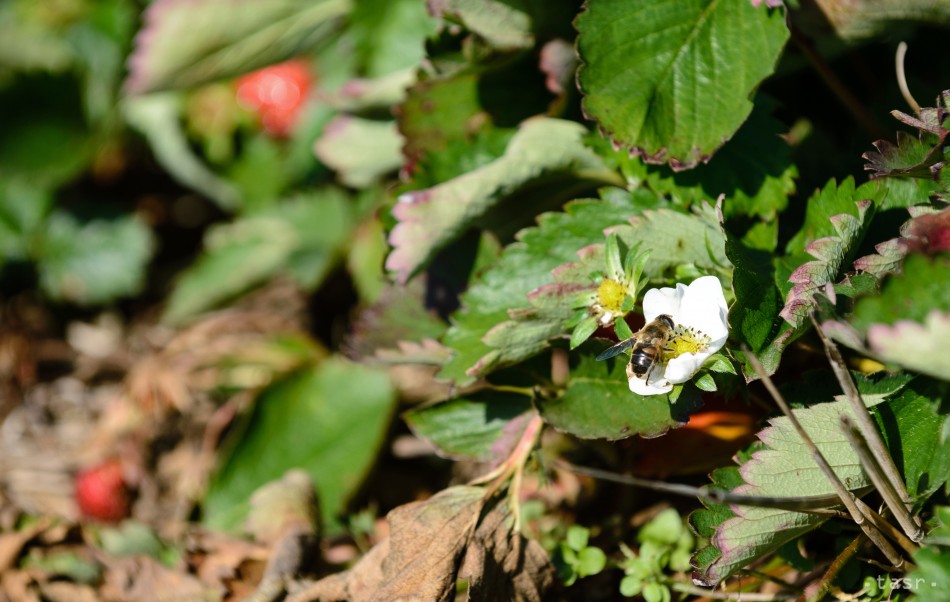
x,y
648,345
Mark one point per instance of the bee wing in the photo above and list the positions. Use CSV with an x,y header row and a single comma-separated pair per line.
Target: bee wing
x,y
616,349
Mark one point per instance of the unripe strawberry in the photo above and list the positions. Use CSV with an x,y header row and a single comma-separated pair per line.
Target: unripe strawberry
x,y
101,492
276,94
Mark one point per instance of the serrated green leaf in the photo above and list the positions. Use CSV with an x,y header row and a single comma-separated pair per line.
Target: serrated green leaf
x,y
360,150
833,199
398,316
301,237
598,404
915,157
429,219
503,25
754,318
463,120
526,265
93,262
646,62
676,238
482,427
390,34
438,112
924,234
184,45
754,171
911,295
237,256
704,522
783,467
831,252
915,346
329,420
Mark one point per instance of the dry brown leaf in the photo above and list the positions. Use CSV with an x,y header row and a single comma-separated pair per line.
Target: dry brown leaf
x,y
144,579
11,544
422,558
218,558
64,591
15,586
501,564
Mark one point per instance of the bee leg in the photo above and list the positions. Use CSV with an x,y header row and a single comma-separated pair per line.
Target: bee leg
x,y
649,373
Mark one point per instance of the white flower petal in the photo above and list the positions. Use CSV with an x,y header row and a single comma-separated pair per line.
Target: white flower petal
x,y
641,387
701,306
663,301
682,368
704,308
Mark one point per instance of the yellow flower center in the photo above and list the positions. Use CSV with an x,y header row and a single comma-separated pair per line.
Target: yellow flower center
x,y
686,340
610,295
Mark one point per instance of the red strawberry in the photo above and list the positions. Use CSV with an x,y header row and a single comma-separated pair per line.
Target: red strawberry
x,y
101,492
276,94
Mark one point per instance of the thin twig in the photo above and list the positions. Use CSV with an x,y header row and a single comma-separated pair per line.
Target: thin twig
x,y
809,504
871,467
867,427
902,78
846,497
888,529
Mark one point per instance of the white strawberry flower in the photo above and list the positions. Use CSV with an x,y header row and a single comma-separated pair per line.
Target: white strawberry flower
x,y
701,327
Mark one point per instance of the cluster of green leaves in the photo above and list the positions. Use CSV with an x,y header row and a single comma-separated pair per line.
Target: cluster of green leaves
x,y
60,70
575,559
665,544
507,210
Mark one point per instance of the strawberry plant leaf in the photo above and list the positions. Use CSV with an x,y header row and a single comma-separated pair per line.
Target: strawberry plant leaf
x,y
360,150
782,467
916,157
95,261
644,62
928,233
830,252
429,219
907,323
754,318
674,239
913,345
329,420
598,404
526,265
910,157
301,237
236,37
911,295
390,35
483,426
157,117
754,170
503,25
398,316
